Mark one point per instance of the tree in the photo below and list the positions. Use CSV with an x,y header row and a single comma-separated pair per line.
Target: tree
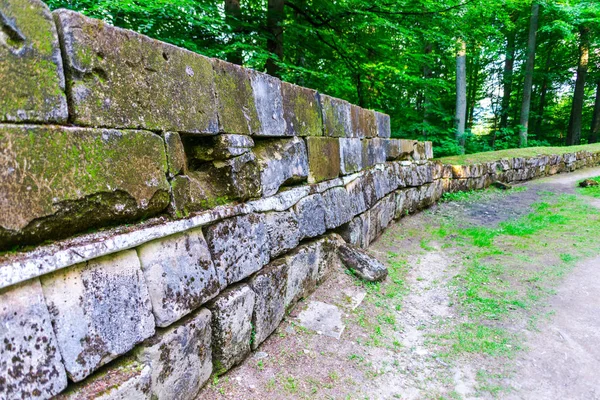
x,y
461,93
525,105
233,15
574,130
595,130
275,10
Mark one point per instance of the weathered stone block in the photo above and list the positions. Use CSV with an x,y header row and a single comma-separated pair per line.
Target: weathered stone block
x,y
122,79
407,148
31,65
99,310
428,150
180,357
323,158
57,181
363,122
235,101
175,154
356,232
311,216
269,104
357,193
303,271
217,148
270,287
301,111
30,363
384,129
350,155
231,326
329,260
126,380
281,162
239,246
392,149
283,230
337,207
337,118
180,275
373,152
362,264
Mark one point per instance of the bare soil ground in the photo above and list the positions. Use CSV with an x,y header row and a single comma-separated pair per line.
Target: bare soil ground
x,y
494,295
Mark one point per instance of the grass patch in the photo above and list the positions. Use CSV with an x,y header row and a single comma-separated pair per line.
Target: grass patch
x,y
482,339
592,191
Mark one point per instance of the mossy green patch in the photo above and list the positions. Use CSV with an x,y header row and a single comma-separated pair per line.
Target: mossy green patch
x,y
323,158
301,111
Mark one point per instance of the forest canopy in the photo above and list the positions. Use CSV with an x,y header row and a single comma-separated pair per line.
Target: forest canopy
x,y
469,75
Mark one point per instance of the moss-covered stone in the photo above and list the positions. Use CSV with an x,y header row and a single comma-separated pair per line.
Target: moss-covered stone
x,y
119,78
175,153
57,181
301,111
235,101
323,158
337,118
30,64
363,122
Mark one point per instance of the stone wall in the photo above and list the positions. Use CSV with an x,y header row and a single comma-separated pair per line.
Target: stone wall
x,y
190,203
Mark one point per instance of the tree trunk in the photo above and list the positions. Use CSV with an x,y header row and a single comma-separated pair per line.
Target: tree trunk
x,y
507,77
473,87
233,14
461,93
275,10
596,117
537,129
427,73
524,120
574,131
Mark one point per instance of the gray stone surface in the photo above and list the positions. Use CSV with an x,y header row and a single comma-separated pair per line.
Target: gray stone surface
x,y
33,86
231,326
239,246
30,362
57,181
281,162
180,275
362,264
125,380
357,195
337,118
356,232
373,152
383,125
301,111
338,210
303,271
122,79
270,287
323,318
269,104
283,230
363,122
99,310
350,155
175,153
311,216
220,147
329,260
180,357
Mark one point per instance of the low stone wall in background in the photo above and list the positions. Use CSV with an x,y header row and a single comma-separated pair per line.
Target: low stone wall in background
x,y
190,203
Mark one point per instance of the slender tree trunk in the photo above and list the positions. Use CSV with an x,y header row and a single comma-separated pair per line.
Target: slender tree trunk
x,y
275,9
233,14
473,87
426,97
507,78
574,131
537,129
524,120
595,131
461,93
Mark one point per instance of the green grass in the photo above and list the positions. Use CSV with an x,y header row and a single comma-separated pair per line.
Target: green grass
x,y
525,152
593,191
479,195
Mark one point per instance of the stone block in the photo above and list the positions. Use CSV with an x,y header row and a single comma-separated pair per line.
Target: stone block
x,y
216,148
128,379
356,232
270,287
281,162
235,100
337,118
337,207
362,264
283,230
58,181
301,111
357,195
350,155
311,216
428,150
175,154
30,362
269,104
119,78
392,149
239,246
407,148
364,124
373,152
384,129
231,326
31,64
323,158
329,260
303,271
99,310
180,275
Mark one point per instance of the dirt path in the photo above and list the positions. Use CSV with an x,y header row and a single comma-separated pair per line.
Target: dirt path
x,y
494,295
